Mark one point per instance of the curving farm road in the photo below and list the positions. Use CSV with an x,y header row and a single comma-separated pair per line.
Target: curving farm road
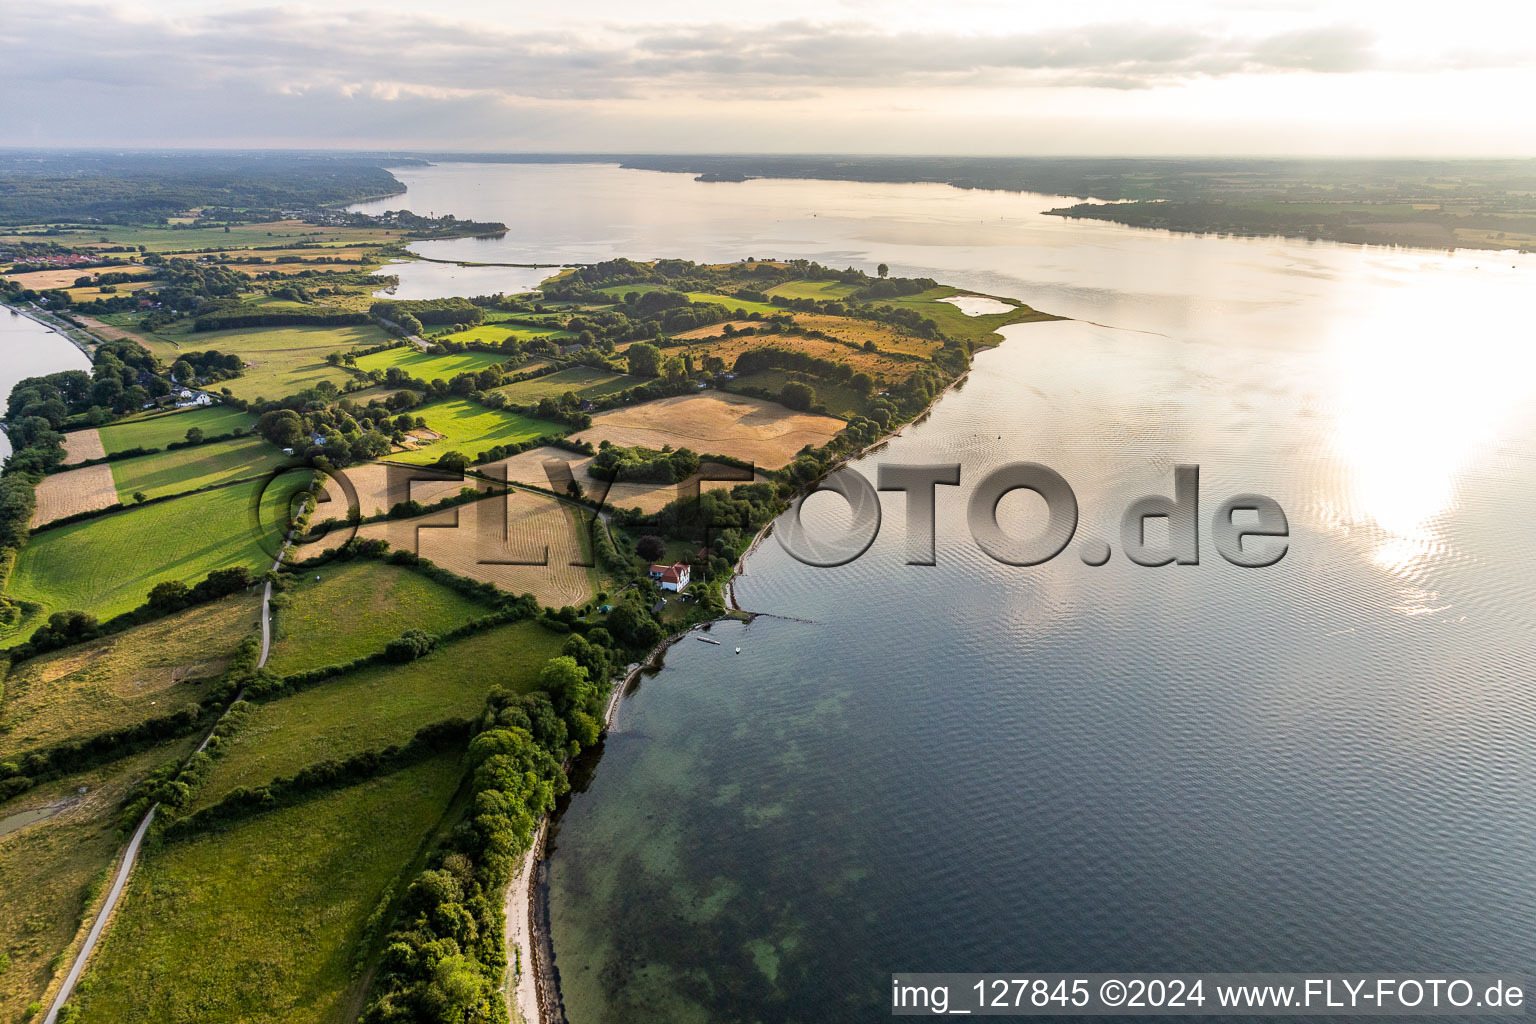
x,y
131,852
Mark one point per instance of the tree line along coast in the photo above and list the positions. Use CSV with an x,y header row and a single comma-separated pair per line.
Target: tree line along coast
x,y
364,797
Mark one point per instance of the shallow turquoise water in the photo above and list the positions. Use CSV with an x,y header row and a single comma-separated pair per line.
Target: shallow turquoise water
x,y
1324,765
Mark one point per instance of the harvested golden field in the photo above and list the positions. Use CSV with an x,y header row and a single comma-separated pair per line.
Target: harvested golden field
x,y
73,492
80,445
380,486
715,423
107,332
715,330
65,277
553,468
485,540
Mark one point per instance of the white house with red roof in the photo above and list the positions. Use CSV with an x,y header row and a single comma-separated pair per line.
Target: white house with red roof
x,y
671,577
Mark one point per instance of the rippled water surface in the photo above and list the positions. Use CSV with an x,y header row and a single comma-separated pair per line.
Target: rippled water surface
x,y
1324,765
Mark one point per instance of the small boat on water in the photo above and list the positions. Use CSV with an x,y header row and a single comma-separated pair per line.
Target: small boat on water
x,y
707,640
738,650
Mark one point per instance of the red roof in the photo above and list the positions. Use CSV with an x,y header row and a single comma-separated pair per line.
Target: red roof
x,y
675,573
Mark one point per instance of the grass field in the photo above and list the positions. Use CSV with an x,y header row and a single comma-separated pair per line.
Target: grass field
x,y
161,429
355,608
53,870
730,302
187,469
819,290
495,333
259,923
107,566
168,239
72,492
715,423
426,366
470,429
494,540
280,361
839,399
143,672
377,706
583,380
978,330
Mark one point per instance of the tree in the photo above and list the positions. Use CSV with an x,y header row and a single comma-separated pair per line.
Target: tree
x,y
410,645
140,497
797,395
650,547
674,368
169,595
182,370
644,359
194,435
863,383
882,270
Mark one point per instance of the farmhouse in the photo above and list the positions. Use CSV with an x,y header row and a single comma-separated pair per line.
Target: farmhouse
x,y
671,577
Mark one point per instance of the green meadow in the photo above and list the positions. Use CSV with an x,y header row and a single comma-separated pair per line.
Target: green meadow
x,y
161,429
585,381
144,672
282,898
427,366
53,871
470,428
379,705
819,290
187,469
281,361
349,609
106,566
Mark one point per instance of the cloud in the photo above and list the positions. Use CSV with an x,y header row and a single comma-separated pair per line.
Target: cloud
x,y
83,72
288,49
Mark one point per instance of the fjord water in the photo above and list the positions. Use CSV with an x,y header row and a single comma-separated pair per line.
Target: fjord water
x,y
28,349
1325,765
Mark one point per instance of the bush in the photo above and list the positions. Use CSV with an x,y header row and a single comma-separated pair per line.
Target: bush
x,y
410,645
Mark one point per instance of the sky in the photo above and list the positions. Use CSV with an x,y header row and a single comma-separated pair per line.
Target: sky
x,y
1091,77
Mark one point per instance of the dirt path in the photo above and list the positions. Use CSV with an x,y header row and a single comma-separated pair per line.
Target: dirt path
x,y
131,853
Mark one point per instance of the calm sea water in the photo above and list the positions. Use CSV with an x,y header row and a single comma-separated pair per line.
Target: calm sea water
x,y
28,349
1324,765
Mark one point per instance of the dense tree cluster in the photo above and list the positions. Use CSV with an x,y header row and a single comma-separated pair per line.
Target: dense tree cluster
x,y
643,465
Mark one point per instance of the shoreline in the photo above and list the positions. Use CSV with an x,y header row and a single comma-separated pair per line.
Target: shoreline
x,y
528,987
